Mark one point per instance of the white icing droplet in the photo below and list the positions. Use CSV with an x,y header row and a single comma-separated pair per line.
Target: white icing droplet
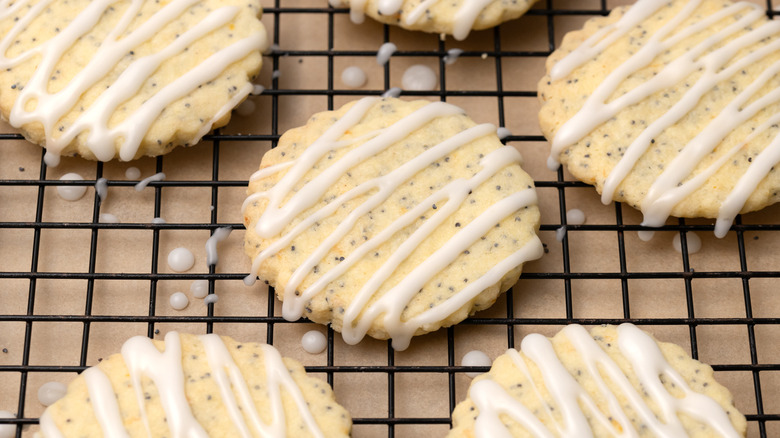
x,y
575,216
419,78
158,220
393,92
108,218
484,55
181,259
475,358
211,299
219,235
71,193
7,430
144,182
353,77
384,53
101,188
645,235
247,108
199,288
692,239
132,173
50,392
503,133
276,74
271,49
179,301
257,89
452,56
314,342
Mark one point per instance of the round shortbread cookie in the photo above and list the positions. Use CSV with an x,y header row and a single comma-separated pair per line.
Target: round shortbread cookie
x,y
196,386
452,17
105,78
613,381
670,106
390,218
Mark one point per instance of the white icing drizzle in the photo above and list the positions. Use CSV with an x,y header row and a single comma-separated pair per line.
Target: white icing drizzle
x,y
465,15
50,108
359,315
165,369
231,383
160,176
674,184
491,401
219,235
48,427
647,362
104,403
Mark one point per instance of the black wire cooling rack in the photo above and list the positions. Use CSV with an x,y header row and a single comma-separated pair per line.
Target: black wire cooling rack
x,y
719,305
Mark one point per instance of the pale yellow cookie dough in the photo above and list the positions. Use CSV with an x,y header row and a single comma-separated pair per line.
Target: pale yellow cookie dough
x,y
698,377
440,16
509,235
60,33
74,414
595,156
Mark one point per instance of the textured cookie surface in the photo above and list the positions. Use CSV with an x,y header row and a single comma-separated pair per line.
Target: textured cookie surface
x,y
453,17
671,107
390,218
613,381
196,386
105,79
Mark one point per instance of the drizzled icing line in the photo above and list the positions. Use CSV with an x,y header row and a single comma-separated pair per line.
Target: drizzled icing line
x,y
49,108
465,15
675,182
649,365
165,369
359,315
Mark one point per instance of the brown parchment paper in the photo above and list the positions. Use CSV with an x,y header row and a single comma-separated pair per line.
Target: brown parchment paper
x,y
40,308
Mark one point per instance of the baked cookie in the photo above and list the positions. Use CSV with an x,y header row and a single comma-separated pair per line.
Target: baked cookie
x,y
670,106
103,78
196,386
615,381
390,218
453,17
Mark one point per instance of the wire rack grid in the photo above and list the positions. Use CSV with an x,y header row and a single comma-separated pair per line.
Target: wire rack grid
x,y
73,288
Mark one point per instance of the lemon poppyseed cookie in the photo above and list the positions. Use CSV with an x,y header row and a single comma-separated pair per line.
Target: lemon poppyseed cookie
x,y
670,106
453,17
613,381
196,386
125,78
390,218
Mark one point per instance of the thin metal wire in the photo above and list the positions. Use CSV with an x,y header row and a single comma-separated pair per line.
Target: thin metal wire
x,y
389,419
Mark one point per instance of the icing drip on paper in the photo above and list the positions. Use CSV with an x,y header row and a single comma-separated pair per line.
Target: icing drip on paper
x,y
648,363
145,182
143,359
50,108
715,58
359,315
220,234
